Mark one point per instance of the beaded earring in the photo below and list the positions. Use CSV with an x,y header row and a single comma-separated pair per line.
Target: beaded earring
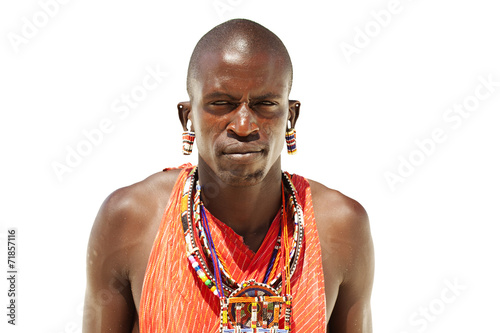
x,y
187,142
291,141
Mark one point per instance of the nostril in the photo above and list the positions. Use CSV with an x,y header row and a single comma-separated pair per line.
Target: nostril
x,y
254,136
243,123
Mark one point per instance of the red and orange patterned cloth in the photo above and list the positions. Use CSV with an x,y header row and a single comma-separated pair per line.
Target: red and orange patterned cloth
x,y
174,299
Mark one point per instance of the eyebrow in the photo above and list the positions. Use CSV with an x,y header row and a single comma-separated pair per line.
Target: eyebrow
x,y
268,96
217,94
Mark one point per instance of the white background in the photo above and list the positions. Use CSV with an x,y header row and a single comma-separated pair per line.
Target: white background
x,y
360,114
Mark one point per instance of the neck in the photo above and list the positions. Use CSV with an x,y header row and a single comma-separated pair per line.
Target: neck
x,y
248,210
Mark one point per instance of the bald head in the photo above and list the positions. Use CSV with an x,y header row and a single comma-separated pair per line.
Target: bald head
x,y
239,39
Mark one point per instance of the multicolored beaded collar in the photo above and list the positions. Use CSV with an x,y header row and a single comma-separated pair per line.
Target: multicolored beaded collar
x,y
249,306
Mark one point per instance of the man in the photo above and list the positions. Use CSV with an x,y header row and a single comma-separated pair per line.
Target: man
x,y
148,265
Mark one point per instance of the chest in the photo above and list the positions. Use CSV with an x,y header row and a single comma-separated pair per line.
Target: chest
x,y
171,285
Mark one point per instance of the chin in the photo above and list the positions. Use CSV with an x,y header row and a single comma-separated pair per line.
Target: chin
x,y
242,178
241,174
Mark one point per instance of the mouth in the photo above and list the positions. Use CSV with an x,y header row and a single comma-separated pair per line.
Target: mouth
x,y
243,156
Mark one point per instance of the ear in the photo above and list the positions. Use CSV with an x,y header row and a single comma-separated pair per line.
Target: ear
x,y
293,112
184,109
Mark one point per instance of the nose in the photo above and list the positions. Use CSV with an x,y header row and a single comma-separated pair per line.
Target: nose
x,y
244,122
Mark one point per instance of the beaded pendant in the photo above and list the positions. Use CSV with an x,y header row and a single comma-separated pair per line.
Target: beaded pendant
x,y
254,307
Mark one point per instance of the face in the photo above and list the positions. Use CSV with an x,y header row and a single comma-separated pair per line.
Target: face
x,y
239,111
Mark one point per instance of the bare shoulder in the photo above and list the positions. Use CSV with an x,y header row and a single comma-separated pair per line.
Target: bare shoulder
x,y
333,207
128,205
343,226
138,198
128,213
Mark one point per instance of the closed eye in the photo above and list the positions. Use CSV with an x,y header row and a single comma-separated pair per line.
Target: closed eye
x,y
220,103
266,103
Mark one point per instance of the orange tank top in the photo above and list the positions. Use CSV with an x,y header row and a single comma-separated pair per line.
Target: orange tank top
x,y
174,299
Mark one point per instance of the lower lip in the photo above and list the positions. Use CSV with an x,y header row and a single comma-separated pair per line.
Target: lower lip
x,y
245,158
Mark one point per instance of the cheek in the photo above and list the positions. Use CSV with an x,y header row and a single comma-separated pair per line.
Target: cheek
x,y
208,129
212,125
274,132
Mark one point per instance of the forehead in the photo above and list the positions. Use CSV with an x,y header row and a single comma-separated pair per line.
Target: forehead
x,y
238,72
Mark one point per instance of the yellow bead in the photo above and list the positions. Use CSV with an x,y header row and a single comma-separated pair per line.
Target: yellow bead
x,y
224,316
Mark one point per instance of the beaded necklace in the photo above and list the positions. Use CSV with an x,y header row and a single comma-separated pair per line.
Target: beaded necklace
x,y
249,306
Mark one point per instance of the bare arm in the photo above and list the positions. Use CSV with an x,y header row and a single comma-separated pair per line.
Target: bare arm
x,y
118,253
352,310
348,260
109,306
